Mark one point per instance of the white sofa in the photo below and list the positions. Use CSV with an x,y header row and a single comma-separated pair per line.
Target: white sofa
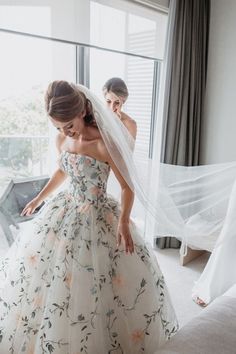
x,y
211,332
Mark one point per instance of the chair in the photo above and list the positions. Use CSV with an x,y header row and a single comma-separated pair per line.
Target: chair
x,y
16,195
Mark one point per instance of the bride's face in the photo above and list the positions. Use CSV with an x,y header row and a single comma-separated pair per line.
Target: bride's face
x,y
72,128
113,102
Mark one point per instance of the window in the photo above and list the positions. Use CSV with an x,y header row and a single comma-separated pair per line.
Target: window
x,y
122,26
28,64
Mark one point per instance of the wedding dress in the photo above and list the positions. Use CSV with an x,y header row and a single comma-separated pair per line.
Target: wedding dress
x,y
68,289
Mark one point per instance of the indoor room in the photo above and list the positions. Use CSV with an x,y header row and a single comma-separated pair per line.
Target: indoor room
x,y
117,177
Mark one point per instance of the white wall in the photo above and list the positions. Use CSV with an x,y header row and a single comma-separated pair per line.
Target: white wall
x,y
219,123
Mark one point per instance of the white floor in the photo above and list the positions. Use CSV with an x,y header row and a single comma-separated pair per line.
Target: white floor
x,y
179,279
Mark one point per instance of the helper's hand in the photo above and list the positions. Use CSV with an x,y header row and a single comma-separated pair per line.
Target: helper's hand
x,y
118,110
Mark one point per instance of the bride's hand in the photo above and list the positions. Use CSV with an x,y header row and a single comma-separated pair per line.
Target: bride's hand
x,y
31,206
124,236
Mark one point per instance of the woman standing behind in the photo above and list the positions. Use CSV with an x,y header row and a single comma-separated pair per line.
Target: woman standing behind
x,y
116,93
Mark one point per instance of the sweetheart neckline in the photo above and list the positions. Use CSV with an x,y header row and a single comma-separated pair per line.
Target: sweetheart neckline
x,y
86,156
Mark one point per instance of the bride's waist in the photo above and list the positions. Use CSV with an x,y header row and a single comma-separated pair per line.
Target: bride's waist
x,y
95,196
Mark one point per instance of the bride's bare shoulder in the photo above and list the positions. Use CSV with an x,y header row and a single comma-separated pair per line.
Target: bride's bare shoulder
x,y
130,124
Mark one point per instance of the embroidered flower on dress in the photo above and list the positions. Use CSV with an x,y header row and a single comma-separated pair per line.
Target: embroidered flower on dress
x,y
68,279
137,336
33,259
51,236
31,350
84,208
68,197
109,217
95,191
87,161
61,213
38,300
118,280
73,160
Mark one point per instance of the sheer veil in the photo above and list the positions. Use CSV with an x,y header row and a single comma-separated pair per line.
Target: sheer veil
x,y
190,203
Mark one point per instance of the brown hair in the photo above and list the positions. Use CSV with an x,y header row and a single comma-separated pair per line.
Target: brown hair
x,y
117,86
63,102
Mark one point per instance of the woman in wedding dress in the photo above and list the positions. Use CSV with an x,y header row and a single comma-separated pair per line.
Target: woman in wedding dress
x,y
219,274
80,279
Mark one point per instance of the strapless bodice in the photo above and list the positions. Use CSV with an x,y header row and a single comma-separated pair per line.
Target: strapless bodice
x,y
88,176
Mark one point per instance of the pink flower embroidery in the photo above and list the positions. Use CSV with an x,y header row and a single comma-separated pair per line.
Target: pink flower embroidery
x,y
72,160
31,350
137,336
118,280
38,300
51,236
109,218
95,191
33,259
61,213
87,162
69,197
68,279
84,208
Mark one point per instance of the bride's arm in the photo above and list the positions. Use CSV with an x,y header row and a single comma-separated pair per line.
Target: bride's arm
x,y
127,200
55,181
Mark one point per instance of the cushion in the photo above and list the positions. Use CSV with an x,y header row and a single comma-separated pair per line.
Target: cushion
x,y
211,332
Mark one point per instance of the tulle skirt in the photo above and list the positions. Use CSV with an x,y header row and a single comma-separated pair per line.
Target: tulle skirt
x,y
67,289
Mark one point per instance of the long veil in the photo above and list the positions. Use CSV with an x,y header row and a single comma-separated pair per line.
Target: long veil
x,y
190,203
200,195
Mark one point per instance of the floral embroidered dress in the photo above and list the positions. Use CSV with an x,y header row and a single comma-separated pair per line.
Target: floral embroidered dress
x,y
67,289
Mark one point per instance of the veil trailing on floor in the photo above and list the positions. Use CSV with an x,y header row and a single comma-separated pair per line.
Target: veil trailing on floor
x,y
189,203
200,195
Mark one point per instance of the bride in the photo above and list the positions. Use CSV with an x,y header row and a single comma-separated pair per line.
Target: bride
x,y
81,279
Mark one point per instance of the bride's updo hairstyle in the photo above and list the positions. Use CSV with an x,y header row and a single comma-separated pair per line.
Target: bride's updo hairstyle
x,y
65,101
